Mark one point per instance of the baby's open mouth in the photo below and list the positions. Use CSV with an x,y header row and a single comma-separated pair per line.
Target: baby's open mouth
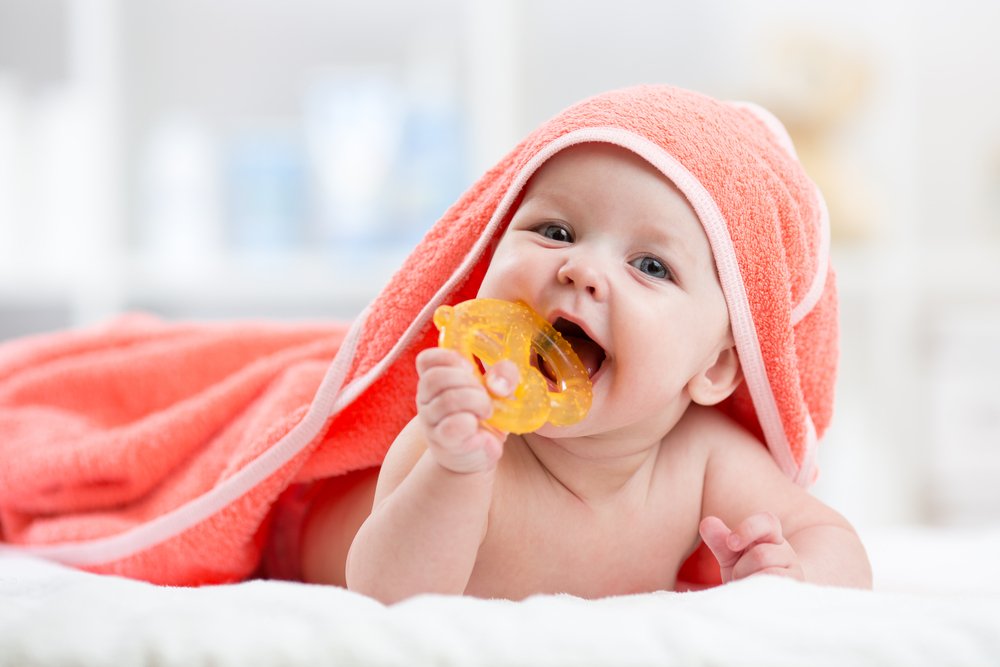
x,y
590,353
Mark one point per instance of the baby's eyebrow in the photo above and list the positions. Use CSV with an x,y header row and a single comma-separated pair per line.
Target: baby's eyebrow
x,y
550,194
678,248
541,206
658,233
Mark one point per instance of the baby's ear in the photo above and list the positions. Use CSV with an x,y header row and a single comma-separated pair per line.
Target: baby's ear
x,y
717,381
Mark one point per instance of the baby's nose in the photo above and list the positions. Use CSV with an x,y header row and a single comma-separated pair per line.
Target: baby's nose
x,y
584,274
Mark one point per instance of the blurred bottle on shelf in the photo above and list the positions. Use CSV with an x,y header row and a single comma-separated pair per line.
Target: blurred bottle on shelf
x,y
386,151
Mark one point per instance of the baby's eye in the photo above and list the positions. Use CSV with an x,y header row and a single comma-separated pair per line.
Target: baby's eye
x,y
556,233
652,267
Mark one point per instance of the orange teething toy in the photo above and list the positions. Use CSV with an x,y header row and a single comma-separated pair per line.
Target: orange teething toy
x,y
490,330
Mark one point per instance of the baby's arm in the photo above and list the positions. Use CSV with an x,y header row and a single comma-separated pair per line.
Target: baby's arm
x,y
435,487
757,521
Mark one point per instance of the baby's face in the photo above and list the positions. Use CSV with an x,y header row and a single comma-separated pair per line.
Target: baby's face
x,y
610,252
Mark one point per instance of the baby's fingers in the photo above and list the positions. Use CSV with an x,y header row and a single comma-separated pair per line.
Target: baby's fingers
x,y
502,378
714,532
434,357
767,558
437,379
762,527
459,444
454,401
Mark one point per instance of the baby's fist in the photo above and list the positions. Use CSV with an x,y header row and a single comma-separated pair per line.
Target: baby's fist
x,y
452,403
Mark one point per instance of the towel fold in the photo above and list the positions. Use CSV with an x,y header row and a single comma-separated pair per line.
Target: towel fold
x,y
157,450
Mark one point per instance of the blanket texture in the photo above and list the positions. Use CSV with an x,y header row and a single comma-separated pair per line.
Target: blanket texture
x,y
157,450
53,616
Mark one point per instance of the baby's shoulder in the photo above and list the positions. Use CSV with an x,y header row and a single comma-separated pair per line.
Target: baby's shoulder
x,y
726,451
706,428
704,432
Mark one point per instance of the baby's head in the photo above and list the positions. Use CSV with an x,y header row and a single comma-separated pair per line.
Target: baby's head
x,y
606,247
719,189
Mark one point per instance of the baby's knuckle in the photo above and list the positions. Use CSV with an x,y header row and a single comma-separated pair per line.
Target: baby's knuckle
x,y
444,404
435,377
425,358
757,557
458,400
455,427
480,402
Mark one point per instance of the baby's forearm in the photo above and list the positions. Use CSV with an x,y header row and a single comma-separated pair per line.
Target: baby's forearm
x,y
832,554
424,538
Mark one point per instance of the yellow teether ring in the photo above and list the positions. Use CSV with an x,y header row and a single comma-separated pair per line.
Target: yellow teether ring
x,y
491,330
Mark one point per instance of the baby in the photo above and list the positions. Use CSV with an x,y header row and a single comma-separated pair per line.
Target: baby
x,y
606,247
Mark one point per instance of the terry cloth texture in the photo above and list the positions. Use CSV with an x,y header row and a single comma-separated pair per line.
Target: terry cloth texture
x,y
157,450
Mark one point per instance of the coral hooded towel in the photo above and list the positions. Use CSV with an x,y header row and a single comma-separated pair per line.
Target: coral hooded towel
x,y
177,488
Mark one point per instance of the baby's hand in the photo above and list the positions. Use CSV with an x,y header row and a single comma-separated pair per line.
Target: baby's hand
x,y
755,547
452,402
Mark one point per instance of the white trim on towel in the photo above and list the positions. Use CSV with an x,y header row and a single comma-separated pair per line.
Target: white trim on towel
x,y
808,470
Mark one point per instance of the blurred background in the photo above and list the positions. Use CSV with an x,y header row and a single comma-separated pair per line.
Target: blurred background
x,y
211,159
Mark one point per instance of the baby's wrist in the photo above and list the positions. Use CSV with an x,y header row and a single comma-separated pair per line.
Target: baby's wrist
x,y
478,478
472,464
